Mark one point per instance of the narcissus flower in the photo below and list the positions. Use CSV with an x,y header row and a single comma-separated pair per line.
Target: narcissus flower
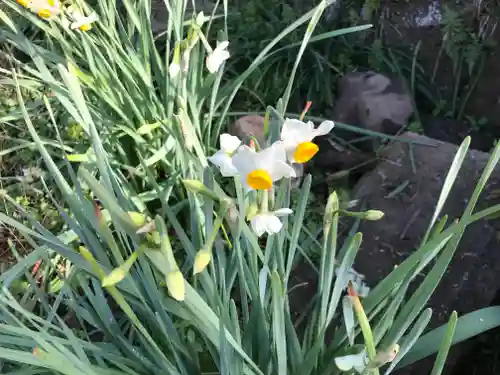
x,y
44,8
258,170
223,158
297,137
82,22
217,57
268,221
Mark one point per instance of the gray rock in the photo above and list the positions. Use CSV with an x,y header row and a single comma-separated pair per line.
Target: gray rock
x,y
247,126
471,280
373,101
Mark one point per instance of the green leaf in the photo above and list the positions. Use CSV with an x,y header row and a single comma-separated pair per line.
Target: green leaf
x,y
411,338
438,367
279,323
468,325
448,183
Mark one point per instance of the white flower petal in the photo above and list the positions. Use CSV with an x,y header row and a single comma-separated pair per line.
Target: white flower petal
x,y
38,5
229,143
224,162
295,131
173,70
217,57
272,160
266,222
245,160
324,128
283,212
222,45
274,224
81,20
282,170
348,362
184,65
258,224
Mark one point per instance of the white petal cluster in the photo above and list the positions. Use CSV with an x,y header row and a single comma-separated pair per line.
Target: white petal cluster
x,y
259,170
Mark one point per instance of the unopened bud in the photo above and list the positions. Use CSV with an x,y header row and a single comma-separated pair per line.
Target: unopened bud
x,y
373,215
201,261
154,238
200,19
198,187
114,277
119,273
137,218
175,285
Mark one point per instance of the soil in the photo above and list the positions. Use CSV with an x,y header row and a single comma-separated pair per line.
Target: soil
x,y
419,21
484,355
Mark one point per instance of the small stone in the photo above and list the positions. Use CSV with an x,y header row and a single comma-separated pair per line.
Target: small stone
x,y
247,126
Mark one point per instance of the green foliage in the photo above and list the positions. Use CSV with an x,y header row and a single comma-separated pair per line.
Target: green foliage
x,y
467,41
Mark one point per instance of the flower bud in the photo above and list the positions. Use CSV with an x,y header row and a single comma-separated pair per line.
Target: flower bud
x,y
175,285
200,19
154,238
373,215
119,273
196,186
201,261
114,277
137,218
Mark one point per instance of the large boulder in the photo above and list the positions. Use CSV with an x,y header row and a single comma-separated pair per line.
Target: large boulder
x,y
406,186
373,101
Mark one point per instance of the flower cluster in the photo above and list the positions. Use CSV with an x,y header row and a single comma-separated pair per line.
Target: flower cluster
x,y
72,17
260,169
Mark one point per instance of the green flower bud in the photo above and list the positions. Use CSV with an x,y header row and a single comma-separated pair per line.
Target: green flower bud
x,y
201,261
175,285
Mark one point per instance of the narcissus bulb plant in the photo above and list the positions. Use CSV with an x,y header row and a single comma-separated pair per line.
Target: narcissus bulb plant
x,y
297,137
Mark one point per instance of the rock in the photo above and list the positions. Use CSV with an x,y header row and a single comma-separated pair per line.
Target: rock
x,y
252,125
373,101
333,157
471,280
247,126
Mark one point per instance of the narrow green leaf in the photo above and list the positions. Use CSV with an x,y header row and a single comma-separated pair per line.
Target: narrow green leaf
x,y
411,338
448,183
279,323
438,367
467,326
